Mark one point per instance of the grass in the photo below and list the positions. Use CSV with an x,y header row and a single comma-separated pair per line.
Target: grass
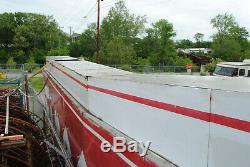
x,y
37,83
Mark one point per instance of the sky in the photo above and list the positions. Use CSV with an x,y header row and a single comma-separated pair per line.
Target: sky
x,y
187,16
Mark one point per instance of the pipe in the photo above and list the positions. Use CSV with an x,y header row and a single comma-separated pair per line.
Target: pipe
x,y
6,131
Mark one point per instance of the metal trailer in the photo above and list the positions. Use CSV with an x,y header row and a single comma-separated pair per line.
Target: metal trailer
x,y
191,121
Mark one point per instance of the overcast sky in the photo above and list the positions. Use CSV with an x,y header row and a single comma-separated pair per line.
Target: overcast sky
x,y
188,16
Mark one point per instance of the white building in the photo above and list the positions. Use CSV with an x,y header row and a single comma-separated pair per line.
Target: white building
x,y
195,50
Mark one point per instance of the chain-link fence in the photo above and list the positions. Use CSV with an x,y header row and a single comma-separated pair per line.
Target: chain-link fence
x,y
133,68
19,67
17,71
156,69
12,67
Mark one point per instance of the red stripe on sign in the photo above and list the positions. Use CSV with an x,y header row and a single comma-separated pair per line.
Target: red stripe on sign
x,y
100,130
231,122
156,104
76,80
204,116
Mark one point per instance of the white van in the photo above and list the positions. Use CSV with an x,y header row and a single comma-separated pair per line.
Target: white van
x,y
233,69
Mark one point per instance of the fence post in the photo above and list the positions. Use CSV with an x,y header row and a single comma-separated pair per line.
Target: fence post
x,y
22,67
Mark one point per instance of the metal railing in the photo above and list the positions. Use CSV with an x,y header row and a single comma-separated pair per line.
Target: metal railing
x,y
132,68
20,67
12,67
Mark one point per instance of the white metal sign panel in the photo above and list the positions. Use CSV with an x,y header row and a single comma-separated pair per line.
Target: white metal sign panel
x,y
79,92
230,147
180,139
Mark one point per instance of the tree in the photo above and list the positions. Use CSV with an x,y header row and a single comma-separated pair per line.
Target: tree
x,y
182,61
21,34
119,52
86,45
11,61
7,29
3,56
124,28
120,23
199,37
38,55
211,66
223,23
62,51
184,44
247,52
228,50
30,65
230,42
160,36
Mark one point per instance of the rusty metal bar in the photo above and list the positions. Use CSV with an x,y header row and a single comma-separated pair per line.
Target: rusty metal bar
x,y
29,150
15,121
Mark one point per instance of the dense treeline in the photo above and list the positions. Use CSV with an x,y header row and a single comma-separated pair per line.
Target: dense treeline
x,y
28,37
125,40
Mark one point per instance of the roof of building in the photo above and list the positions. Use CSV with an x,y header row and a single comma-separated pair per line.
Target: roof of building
x,y
235,63
85,68
60,58
240,84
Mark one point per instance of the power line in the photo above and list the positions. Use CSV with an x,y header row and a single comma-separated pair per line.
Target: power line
x,y
92,10
74,14
93,7
91,13
74,6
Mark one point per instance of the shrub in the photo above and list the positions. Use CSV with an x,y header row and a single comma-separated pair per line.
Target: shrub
x,y
11,61
211,66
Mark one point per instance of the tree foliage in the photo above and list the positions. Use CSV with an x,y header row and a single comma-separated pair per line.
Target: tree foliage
x,y
119,52
162,44
199,40
11,61
121,23
85,46
198,37
184,44
124,40
24,34
230,43
29,37
210,67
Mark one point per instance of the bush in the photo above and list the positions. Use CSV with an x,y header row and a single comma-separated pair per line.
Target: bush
x,y
63,51
211,66
125,67
3,56
182,61
204,73
11,61
38,55
30,65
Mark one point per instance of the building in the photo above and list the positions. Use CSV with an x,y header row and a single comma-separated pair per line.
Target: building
x,y
195,50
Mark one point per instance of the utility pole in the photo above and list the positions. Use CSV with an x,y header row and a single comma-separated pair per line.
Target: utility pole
x,y
60,37
98,33
70,33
